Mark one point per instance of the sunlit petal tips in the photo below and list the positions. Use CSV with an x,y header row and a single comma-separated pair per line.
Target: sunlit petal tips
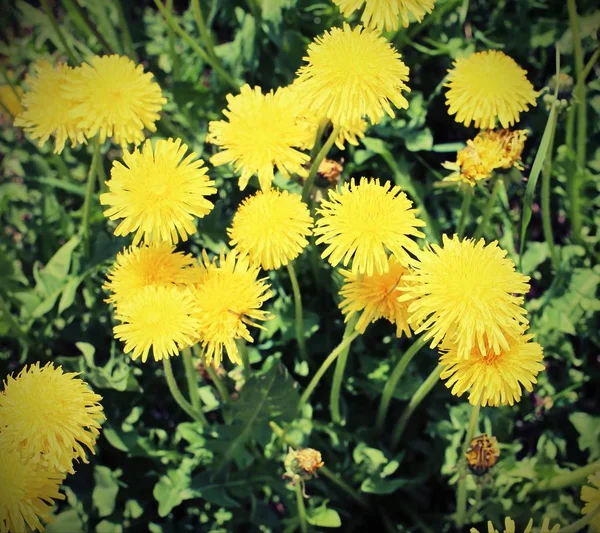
x,y
361,223
487,87
510,527
47,105
351,74
271,228
160,319
157,193
493,379
52,417
590,495
468,293
115,98
385,14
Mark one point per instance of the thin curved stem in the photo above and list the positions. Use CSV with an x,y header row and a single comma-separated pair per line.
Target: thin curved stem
x,y
298,307
392,383
461,497
221,389
176,392
171,42
301,506
582,522
243,349
326,364
77,13
415,401
489,207
464,212
191,377
56,27
338,375
568,479
545,203
344,486
204,32
314,168
127,40
89,193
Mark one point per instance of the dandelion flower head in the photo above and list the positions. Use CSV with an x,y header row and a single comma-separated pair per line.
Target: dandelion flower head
x,y
27,492
47,106
384,14
271,228
156,264
115,98
488,151
228,300
157,318
52,417
262,131
375,297
493,379
157,193
510,527
468,293
488,86
590,495
362,222
351,74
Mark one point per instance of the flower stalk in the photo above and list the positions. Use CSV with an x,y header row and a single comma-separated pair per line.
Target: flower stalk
x,y
298,308
338,375
301,507
569,479
89,193
489,207
314,168
56,27
177,394
464,211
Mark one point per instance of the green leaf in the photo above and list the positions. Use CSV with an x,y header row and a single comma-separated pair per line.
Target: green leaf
x,y
588,427
106,488
68,520
270,397
174,487
108,527
322,516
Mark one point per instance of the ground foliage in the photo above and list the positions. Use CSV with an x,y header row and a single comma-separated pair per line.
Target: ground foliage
x,y
154,469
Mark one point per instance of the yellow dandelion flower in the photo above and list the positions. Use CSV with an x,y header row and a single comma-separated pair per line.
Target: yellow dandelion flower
x,y
488,151
468,293
363,222
228,300
161,318
493,379
488,86
158,193
156,264
376,297
27,493
351,74
10,101
510,527
52,417
47,106
590,495
351,132
116,98
262,131
271,228
384,14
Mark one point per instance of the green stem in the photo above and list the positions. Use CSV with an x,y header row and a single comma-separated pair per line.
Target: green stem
x,y
192,379
582,522
127,40
298,306
461,498
344,486
171,40
580,94
568,479
222,390
464,211
545,203
346,341
301,507
390,386
489,207
89,193
314,168
316,147
243,349
204,32
192,43
176,393
76,13
338,375
56,27
415,401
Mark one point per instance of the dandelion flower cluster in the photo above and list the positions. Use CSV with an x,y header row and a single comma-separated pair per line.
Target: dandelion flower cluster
x,y
47,107
271,228
468,293
509,527
488,151
351,74
384,14
228,300
375,297
362,222
157,193
486,87
49,419
114,98
262,131
490,378
590,495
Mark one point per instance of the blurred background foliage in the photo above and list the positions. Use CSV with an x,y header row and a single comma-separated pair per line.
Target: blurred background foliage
x,y
154,470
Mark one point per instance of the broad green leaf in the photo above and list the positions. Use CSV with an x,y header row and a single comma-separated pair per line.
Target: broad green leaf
x,y
174,487
322,516
68,520
106,488
588,427
106,526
